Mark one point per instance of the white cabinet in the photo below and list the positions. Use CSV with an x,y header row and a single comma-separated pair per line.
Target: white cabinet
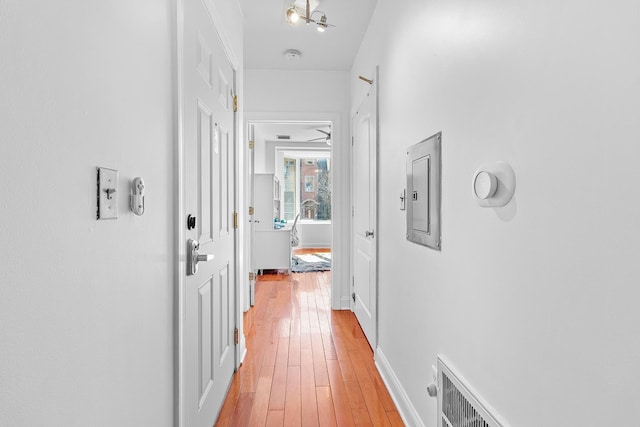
x,y
273,250
267,200
272,246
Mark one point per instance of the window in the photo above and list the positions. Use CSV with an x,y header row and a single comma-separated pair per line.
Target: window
x,y
309,183
307,189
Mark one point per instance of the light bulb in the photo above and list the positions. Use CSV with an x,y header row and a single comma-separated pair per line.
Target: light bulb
x,y
322,25
292,15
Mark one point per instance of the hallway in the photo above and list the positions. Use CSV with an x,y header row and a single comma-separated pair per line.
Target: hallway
x,y
306,364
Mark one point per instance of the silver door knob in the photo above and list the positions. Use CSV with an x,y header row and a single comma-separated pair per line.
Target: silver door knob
x,y
205,257
193,258
368,233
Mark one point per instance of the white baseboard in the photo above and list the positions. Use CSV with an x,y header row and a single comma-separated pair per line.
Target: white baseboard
x,y
322,245
345,303
405,408
242,350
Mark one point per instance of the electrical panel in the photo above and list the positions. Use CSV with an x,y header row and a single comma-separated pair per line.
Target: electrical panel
x,y
423,192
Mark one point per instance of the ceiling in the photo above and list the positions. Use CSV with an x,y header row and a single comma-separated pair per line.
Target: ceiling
x,y
267,35
298,131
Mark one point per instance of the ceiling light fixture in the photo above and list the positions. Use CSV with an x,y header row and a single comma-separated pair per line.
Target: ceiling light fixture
x,y
322,25
294,15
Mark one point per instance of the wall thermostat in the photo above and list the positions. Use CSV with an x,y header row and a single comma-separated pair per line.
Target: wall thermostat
x,y
485,185
494,184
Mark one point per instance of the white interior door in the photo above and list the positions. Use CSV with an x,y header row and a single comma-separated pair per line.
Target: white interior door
x,y
209,294
364,125
252,218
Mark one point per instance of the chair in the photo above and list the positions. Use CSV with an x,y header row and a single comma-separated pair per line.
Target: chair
x,y
295,240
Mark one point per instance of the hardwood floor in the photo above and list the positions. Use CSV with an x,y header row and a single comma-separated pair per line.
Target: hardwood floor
x,y
301,251
306,365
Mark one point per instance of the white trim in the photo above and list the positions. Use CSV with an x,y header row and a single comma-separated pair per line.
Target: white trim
x,y
179,416
345,303
242,350
400,397
313,246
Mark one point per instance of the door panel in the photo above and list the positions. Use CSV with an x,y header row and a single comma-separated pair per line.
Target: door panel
x,y
209,299
224,166
205,322
204,173
224,312
365,216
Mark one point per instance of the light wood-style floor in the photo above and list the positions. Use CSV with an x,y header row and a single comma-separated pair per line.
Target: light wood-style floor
x,y
306,364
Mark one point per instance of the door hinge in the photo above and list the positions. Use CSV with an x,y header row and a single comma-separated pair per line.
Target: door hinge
x,y
235,103
235,336
353,286
251,210
251,145
252,276
235,220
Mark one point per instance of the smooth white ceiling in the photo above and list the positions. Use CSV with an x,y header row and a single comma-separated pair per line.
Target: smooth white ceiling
x,y
267,35
299,131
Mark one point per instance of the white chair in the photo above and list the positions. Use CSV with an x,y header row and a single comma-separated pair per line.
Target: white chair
x,y
295,240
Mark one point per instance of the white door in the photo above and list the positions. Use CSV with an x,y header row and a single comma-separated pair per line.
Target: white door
x,y
252,218
209,294
364,125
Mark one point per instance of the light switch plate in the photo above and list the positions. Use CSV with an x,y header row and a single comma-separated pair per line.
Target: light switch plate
x,y
107,194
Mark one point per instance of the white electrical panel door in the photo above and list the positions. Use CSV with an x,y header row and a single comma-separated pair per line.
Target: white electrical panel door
x,y
423,192
420,193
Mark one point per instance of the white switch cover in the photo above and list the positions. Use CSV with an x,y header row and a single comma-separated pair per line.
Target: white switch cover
x,y
107,193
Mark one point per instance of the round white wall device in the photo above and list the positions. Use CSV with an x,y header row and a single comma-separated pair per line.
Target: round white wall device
x,y
494,184
485,185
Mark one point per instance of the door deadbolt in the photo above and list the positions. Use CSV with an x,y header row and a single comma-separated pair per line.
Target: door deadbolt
x,y
191,222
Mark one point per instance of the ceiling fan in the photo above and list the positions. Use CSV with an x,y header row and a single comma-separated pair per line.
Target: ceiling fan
x,y
326,137
294,15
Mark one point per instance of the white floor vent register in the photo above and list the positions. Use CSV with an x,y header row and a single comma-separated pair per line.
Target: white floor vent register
x,y
457,405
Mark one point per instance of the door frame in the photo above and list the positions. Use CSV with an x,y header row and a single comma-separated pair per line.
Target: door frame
x,y
375,87
179,196
339,295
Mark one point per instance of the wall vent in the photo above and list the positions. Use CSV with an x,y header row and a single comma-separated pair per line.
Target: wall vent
x,y
283,136
457,405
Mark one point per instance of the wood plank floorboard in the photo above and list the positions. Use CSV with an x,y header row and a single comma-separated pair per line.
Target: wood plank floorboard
x,y
306,365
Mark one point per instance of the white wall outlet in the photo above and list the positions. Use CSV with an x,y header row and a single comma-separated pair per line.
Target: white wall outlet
x,y
107,194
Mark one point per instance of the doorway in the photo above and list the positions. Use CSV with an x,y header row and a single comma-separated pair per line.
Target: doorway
x,y
340,198
291,194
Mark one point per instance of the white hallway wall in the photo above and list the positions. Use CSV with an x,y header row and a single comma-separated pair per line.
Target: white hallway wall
x,y
325,92
535,303
86,306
